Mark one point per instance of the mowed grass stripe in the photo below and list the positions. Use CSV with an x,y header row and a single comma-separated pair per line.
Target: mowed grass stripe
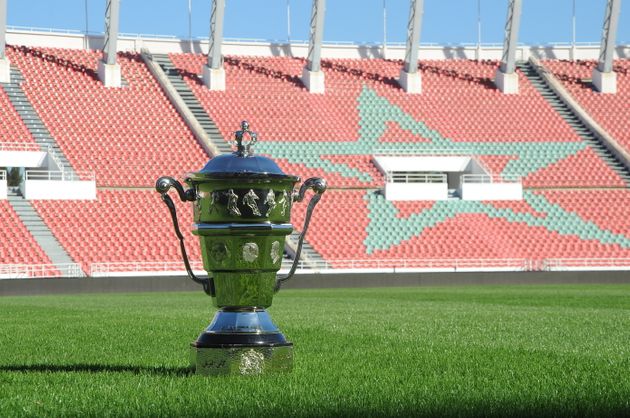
x,y
487,350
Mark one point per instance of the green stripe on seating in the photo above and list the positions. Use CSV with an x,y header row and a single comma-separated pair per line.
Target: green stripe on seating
x,y
375,111
383,220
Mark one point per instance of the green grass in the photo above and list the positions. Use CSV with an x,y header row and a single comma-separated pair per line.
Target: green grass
x,y
491,350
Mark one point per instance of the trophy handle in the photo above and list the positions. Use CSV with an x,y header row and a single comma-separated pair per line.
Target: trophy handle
x,y
319,187
163,185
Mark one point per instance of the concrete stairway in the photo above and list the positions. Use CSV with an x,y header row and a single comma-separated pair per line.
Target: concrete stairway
x,y
309,255
574,121
31,119
192,103
38,229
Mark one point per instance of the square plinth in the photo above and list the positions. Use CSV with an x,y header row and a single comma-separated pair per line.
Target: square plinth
x,y
243,360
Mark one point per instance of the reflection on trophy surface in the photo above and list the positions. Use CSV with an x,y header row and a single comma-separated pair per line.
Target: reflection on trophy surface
x,y
241,216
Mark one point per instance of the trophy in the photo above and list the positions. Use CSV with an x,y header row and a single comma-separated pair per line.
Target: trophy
x,y
242,214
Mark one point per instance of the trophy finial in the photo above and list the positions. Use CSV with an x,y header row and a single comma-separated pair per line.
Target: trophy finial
x,y
244,149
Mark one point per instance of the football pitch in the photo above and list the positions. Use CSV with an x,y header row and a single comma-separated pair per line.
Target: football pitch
x,y
483,350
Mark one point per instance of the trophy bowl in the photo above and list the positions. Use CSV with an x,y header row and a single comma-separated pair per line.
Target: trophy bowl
x,y
242,213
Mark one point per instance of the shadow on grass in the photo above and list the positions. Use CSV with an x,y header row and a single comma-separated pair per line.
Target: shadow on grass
x,y
97,368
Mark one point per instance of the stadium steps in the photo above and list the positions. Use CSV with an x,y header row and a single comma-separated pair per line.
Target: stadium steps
x,y
31,119
574,121
40,231
192,103
308,256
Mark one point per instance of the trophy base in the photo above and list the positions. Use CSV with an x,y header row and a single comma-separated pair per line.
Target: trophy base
x,y
241,360
241,341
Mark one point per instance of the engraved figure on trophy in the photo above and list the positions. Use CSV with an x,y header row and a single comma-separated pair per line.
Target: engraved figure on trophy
x,y
275,253
214,199
250,252
284,202
270,201
250,200
232,203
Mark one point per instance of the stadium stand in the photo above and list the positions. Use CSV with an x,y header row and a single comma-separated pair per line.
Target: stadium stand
x,y
128,136
611,111
132,135
12,128
122,225
364,108
546,224
17,245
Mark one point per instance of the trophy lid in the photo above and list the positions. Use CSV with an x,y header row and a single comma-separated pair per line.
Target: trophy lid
x,y
242,162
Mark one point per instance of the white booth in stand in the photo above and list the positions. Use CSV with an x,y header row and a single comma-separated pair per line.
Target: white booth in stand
x,y
58,185
442,177
43,175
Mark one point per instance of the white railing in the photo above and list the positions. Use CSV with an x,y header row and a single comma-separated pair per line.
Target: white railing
x,y
55,158
560,264
391,265
28,271
163,267
19,146
375,265
401,177
428,264
3,175
489,178
39,29
60,175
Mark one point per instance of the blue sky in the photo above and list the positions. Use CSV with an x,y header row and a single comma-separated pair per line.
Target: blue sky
x,y
445,21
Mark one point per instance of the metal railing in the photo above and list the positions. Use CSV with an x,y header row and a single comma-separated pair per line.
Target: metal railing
x,y
381,265
3,175
29,271
431,264
39,29
19,146
60,175
107,269
560,264
489,178
177,267
55,158
402,177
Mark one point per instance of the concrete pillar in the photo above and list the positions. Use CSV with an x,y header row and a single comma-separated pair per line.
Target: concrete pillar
x,y
214,78
410,82
604,82
109,74
506,82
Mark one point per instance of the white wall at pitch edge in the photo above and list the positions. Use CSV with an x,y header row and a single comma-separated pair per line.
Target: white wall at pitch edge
x,y
59,190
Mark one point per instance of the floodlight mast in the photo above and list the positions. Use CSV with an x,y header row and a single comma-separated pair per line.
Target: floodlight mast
x,y
312,75
410,79
604,79
505,77
414,27
5,65
215,59
112,14
213,71
108,69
